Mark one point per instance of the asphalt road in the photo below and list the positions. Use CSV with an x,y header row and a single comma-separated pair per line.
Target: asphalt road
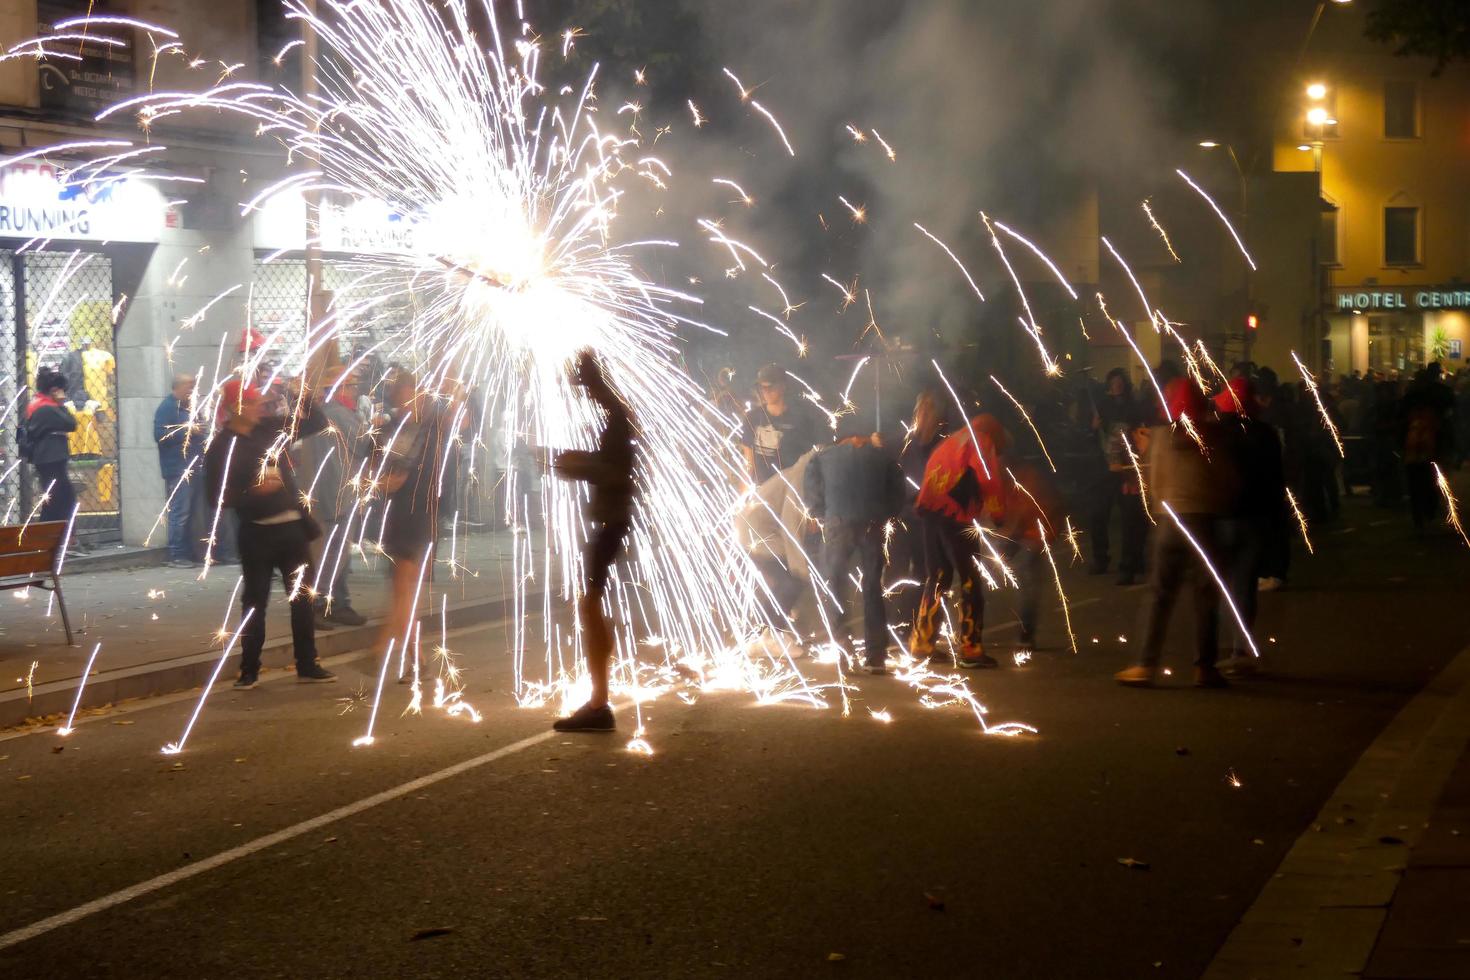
x,y
756,841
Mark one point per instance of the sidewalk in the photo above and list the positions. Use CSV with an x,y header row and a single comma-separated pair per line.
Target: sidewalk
x,y
1379,884
159,626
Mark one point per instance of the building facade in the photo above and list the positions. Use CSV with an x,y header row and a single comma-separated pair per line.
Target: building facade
x,y
1392,145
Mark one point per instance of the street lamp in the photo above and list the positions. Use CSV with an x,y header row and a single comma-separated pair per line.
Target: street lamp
x,y
1317,91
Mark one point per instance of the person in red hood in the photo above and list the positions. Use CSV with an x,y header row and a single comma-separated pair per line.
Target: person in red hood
x,y
1195,469
48,423
960,476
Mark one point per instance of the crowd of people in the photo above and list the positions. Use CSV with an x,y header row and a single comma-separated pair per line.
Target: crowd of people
x,y
1207,484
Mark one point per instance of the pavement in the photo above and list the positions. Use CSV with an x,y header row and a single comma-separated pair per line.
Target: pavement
x,y
159,627
1133,835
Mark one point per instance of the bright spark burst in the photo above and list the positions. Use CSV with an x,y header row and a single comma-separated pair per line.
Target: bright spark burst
x,y
1301,520
1164,235
1327,423
1452,509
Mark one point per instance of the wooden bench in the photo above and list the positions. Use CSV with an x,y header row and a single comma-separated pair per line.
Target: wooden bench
x,y
29,556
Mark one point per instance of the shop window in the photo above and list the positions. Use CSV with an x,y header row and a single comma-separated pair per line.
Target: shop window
x,y
1400,110
1400,236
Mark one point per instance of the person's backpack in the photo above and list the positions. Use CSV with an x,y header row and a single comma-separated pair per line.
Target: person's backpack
x,y
23,444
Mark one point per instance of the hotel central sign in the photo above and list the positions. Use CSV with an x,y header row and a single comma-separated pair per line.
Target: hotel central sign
x,y
1432,298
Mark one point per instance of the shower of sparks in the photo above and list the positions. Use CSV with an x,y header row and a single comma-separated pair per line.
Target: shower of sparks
x,y
1127,334
1032,425
1153,317
774,125
1071,537
745,198
883,715
77,703
1164,235
1233,780
1452,509
699,120
953,258
1137,465
1045,259
1327,423
1219,582
30,679
1056,576
859,214
174,748
1221,214
1301,521
888,150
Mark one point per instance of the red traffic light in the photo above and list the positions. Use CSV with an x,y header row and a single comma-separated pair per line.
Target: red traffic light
x,y
1252,321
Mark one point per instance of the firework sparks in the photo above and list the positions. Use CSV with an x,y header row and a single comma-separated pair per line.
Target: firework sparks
x,y
174,748
1221,215
1301,521
953,258
1219,582
1032,425
1057,579
82,686
1163,235
1327,423
1452,509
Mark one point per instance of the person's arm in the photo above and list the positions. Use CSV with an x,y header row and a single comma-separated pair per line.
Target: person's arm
x,y
161,418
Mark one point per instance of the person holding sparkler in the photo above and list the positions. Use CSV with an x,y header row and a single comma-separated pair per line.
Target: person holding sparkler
x,y
608,469
1195,465
959,477
854,489
247,470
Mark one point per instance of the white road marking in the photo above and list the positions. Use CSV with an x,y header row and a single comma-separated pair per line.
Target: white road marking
x,y
223,858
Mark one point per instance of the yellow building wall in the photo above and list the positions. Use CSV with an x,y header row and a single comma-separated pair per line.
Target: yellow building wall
x,y
18,80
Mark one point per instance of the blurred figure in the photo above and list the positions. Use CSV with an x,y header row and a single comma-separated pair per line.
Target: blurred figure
x,y
778,430
957,480
47,424
174,431
855,488
1114,415
1201,483
1426,438
608,469
246,466
906,549
1260,514
1031,518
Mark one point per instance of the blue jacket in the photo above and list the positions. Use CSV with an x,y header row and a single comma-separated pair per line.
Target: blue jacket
x,y
171,433
861,484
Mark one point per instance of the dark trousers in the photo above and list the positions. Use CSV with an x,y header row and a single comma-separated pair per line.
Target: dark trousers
x,y
1423,493
1242,546
1175,562
336,563
264,550
62,498
1105,490
950,549
842,542
1135,533
180,516
1029,565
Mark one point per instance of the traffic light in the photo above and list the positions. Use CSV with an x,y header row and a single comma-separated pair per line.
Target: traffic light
x,y
1252,321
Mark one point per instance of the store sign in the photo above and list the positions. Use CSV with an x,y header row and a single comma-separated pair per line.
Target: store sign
x,y
36,202
86,75
1437,298
354,226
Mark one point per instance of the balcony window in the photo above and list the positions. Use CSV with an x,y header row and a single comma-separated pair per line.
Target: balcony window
x,y
1400,236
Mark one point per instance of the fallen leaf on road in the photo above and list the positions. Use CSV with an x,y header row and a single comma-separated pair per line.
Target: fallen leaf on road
x,y
331,840
835,957
430,933
1133,863
241,759
177,766
19,778
935,903
57,748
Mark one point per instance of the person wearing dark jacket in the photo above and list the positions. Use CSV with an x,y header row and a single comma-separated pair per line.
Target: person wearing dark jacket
x,y
178,447
1259,515
854,489
246,463
48,424
609,471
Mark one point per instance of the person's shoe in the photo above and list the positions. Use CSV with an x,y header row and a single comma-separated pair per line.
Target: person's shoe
x,y
247,682
1137,676
346,616
180,563
588,718
322,623
1240,665
877,670
1269,584
314,673
1209,677
975,658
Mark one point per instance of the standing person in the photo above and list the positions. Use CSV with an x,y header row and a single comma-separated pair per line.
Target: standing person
x,y
47,425
778,430
1200,483
413,466
1259,514
1426,435
328,460
246,466
174,432
957,480
608,469
1113,414
1031,518
854,489
926,432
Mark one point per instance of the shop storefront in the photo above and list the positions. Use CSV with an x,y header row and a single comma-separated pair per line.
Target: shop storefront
x,y
1395,332
58,309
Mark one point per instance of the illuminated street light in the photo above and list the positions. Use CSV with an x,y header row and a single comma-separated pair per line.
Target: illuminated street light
x,y
1317,91
1304,147
1208,144
1317,116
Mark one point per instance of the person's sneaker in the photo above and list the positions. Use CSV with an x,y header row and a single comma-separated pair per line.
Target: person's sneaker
x,y
1209,677
346,616
588,718
322,623
1138,676
877,670
314,673
180,563
246,682
1240,665
977,659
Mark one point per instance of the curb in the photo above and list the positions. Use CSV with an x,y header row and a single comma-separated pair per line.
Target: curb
x,y
1320,914
193,670
113,559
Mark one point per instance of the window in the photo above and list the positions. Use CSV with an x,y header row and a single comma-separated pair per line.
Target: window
x,y
1329,236
1400,110
1400,236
